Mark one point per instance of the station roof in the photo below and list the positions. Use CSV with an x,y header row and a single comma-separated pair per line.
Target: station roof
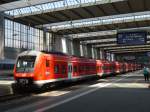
x,y
68,10
99,19
17,5
6,1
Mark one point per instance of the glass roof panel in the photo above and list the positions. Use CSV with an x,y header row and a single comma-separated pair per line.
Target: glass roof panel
x,y
51,5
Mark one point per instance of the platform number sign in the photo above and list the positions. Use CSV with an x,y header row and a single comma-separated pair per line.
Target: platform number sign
x,y
132,38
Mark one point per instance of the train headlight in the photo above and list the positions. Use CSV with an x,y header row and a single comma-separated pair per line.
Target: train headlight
x,y
47,73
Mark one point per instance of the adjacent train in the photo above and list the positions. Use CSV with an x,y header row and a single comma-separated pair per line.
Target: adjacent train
x,y
36,69
6,67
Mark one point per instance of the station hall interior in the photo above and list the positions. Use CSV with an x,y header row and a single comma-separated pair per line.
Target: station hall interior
x,y
76,32
86,28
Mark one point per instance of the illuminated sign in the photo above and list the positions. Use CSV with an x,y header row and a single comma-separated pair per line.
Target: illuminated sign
x,y
132,38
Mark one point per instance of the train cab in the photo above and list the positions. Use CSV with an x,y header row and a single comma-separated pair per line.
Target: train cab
x,y
117,67
99,67
38,68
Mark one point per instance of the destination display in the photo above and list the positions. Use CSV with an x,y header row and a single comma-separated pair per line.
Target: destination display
x,y
132,38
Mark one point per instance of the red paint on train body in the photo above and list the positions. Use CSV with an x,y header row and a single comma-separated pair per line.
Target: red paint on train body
x,y
40,68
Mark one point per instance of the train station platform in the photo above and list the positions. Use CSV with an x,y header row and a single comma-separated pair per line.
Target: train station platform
x,y
5,85
123,93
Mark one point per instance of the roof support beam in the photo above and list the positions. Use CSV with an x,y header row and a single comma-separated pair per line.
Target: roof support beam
x,y
134,49
127,47
92,34
99,41
89,12
106,20
105,33
131,51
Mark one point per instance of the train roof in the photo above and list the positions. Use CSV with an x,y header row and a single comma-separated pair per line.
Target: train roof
x,y
35,53
55,53
30,53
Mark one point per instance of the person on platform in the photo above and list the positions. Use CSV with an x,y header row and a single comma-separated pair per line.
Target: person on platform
x,y
146,73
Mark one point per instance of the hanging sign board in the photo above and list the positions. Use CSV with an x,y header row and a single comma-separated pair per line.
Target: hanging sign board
x,y
132,38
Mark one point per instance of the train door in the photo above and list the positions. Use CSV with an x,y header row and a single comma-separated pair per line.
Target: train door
x,y
70,70
47,68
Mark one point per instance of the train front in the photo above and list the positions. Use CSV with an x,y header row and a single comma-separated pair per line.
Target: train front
x,y
24,71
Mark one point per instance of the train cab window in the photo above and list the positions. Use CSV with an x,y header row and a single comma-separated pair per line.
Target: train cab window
x,y
56,69
47,63
25,63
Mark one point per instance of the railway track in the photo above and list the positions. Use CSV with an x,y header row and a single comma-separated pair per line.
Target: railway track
x,y
29,93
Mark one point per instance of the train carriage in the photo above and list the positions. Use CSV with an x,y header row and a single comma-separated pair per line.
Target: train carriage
x,y
105,68
126,67
37,69
117,67
86,67
6,67
99,68
42,68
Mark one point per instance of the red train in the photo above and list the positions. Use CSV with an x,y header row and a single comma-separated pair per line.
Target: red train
x,y
35,68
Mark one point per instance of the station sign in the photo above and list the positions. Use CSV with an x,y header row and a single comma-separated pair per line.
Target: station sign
x,y
148,54
132,38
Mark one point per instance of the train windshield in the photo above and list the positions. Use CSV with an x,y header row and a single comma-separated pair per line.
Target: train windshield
x,y
25,64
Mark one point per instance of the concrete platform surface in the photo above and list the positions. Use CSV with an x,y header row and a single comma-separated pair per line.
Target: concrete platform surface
x,y
124,93
5,85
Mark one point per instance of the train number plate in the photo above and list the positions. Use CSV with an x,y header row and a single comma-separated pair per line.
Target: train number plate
x,y
23,81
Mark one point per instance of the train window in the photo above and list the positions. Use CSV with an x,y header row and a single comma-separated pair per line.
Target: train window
x,y
1,66
70,68
47,63
80,68
88,68
26,63
63,69
56,69
12,66
5,66
100,67
83,68
75,69
104,67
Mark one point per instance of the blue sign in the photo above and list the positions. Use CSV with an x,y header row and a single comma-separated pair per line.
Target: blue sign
x,y
132,38
148,54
